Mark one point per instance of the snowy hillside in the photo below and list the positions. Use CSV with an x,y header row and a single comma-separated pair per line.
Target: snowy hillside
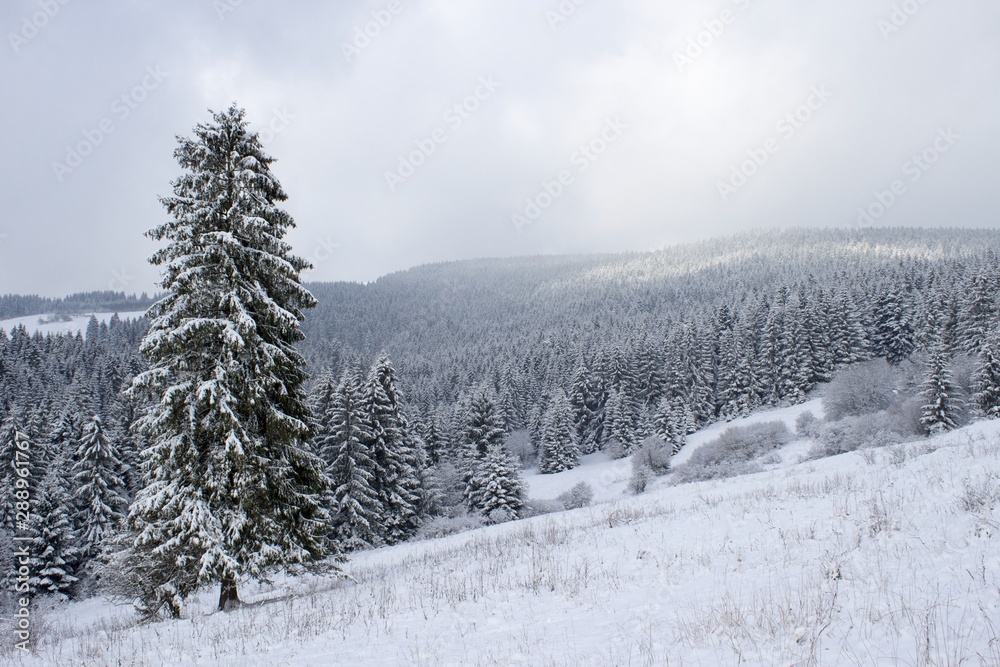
x,y
609,478
887,556
54,324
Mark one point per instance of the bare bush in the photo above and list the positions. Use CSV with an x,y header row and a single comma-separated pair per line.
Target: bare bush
x,y
861,389
537,507
906,415
806,425
443,526
581,495
640,476
654,453
734,452
743,443
500,515
851,433
519,445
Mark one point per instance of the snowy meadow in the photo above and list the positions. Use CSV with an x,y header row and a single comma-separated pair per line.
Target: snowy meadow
x,y
884,556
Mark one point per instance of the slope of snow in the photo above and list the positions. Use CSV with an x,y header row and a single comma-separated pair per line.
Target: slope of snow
x,y
882,557
786,415
609,478
606,476
76,323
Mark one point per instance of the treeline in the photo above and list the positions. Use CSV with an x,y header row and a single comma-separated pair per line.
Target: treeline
x,y
17,305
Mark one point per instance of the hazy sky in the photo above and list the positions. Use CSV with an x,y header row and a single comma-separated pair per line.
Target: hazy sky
x,y
580,126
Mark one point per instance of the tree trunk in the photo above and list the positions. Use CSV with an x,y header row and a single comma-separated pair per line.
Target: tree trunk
x,y
229,597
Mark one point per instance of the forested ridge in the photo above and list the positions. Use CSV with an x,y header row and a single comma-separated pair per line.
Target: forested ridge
x,y
537,320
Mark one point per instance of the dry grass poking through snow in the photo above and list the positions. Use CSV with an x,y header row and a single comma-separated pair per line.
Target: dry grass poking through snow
x,y
879,557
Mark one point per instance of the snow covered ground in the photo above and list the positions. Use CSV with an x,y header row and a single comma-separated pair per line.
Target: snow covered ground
x,y
609,478
877,557
47,324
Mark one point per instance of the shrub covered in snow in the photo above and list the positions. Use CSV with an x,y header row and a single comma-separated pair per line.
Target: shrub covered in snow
x,y
581,495
538,506
851,433
734,452
650,459
443,526
519,444
655,453
807,425
861,389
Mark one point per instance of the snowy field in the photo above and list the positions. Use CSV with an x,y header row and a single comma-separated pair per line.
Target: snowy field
x,y
877,557
51,324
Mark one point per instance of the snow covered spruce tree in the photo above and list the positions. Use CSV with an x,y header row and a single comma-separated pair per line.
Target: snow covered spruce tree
x,y
344,442
559,450
398,460
501,491
492,476
939,413
232,486
55,544
98,487
672,422
987,397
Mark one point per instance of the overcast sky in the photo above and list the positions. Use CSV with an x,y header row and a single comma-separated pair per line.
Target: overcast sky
x,y
581,126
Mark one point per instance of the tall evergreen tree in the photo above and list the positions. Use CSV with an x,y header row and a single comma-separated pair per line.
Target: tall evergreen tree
x,y
56,554
673,423
894,333
483,434
622,426
939,411
979,311
398,462
497,477
987,397
233,487
587,400
559,449
345,441
99,487
15,460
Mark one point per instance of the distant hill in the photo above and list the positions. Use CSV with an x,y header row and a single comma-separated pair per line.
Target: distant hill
x,y
451,325
15,305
